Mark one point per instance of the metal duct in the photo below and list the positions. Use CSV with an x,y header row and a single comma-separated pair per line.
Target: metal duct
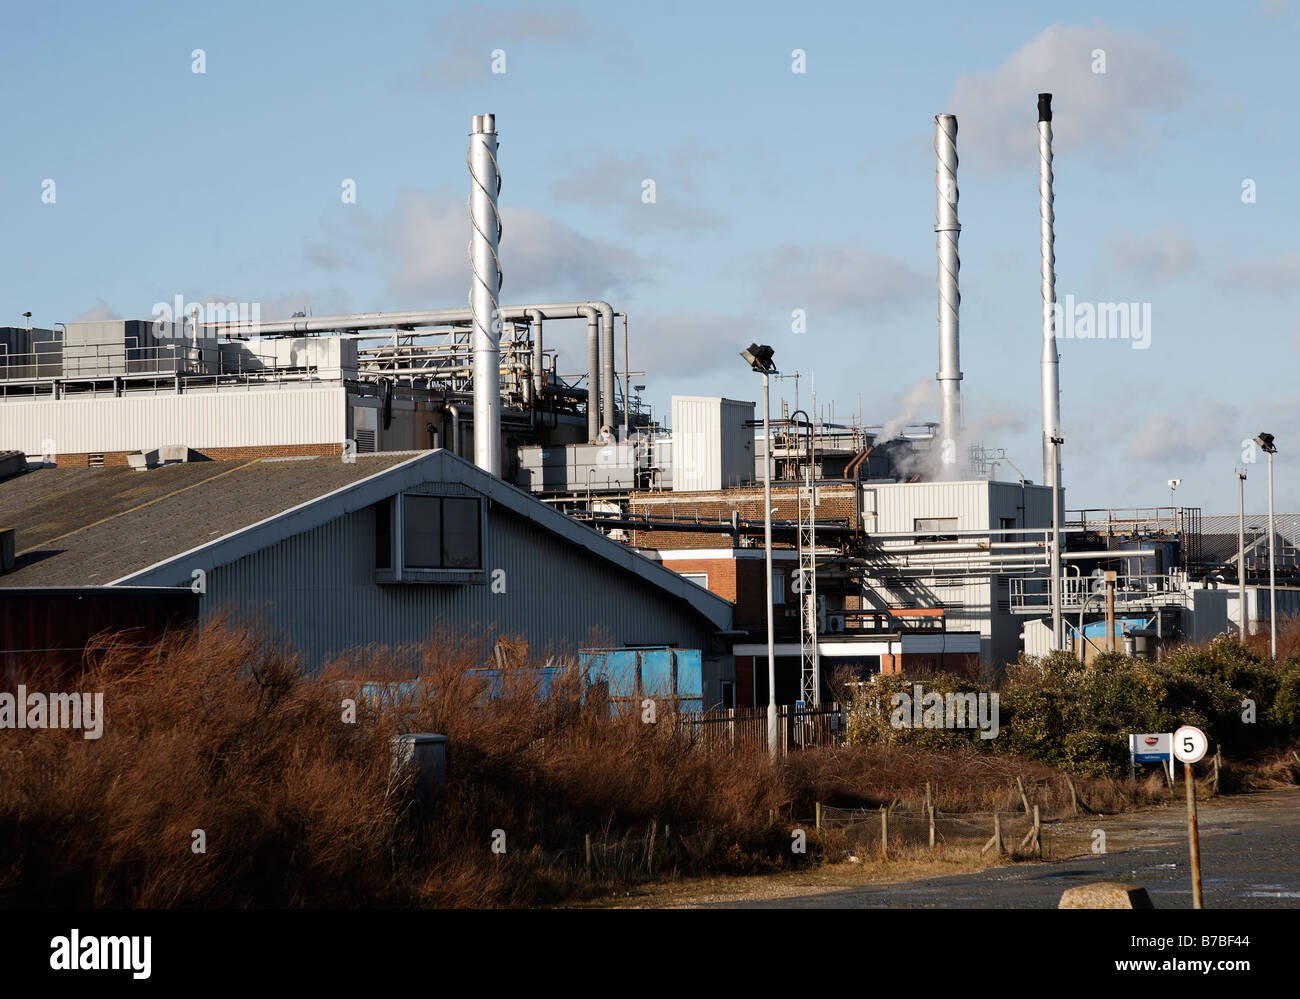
x,y
535,317
593,367
451,317
1051,381
485,220
607,347
948,230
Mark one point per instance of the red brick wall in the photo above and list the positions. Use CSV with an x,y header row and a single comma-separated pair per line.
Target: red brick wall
x,y
82,460
834,501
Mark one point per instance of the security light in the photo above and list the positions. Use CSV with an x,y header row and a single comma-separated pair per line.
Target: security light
x,y
1265,442
759,357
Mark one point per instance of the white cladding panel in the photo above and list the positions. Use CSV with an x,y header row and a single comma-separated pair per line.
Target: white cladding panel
x,y
712,448
897,506
235,418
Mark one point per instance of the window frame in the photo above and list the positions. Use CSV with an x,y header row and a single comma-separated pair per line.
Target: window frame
x,y
398,571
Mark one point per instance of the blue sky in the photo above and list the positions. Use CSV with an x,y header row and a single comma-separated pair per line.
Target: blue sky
x,y
775,191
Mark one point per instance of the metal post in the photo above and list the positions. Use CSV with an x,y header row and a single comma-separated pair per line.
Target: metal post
x,y
1272,567
772,735
1192,838
1057,639
1050,362
1241,554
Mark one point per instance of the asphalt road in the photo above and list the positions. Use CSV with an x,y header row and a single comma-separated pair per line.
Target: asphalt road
x,y
1250,859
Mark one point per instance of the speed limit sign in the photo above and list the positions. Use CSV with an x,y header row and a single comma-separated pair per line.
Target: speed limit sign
x,y
1190,744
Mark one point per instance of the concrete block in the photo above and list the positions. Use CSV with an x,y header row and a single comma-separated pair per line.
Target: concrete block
x,y
1106,895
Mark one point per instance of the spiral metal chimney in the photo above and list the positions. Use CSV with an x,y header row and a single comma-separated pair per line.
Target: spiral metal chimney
x,y
1050,367
485,288
947,231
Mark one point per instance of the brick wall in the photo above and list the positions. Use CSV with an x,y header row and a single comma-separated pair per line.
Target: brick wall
x,y
835,501
82,460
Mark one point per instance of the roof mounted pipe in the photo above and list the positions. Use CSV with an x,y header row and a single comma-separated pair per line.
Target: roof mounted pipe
x,y
1050,365
485,287
947,231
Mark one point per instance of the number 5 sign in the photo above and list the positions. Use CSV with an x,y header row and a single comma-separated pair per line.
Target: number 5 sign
x,y
1190,744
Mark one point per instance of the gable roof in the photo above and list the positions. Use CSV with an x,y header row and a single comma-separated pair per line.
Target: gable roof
x,y
119,527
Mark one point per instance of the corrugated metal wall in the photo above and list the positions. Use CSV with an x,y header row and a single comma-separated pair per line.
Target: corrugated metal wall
x,y
319,588
290,414
899,505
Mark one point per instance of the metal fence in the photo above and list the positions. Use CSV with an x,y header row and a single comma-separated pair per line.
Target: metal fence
x,y
746,728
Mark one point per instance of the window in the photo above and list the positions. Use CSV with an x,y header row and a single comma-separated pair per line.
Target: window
x,y
440,532
429,539
935,528
778,588
1007,524
700,578
931,525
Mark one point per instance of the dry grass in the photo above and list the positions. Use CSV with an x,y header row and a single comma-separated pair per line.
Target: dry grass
x,y
219,730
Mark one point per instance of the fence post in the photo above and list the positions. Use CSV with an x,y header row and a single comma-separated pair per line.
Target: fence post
x,y
1217,761
996,841
931,811
1074,795
884,833
588,839
819,815
1020,783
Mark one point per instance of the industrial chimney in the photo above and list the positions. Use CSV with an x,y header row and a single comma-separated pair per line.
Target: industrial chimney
x,y
485,287
1050,362
948,230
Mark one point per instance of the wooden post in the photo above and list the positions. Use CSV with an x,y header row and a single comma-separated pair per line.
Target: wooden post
x,y
1074,795
930,808
884,832
588,839
1023,797
1192,838
819,815
929,797
996,841
1034,838
650,853
1214,787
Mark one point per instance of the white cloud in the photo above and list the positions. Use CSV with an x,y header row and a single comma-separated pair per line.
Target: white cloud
x,y
1161,254
101,311
1279,275
616,184
421,247
1111,112
466,38
836,280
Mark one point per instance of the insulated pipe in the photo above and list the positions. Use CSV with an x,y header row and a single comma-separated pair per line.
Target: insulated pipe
x,y
1050,367
948,229
455,429
445,317
593,366
535,317
610,378
485,285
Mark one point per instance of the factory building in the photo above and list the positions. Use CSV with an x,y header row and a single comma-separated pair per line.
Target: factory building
x,y
335,554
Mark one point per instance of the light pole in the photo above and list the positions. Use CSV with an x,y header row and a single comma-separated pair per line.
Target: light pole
x,y
1241,554
759,357
1057,637
1265,442
1173,484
